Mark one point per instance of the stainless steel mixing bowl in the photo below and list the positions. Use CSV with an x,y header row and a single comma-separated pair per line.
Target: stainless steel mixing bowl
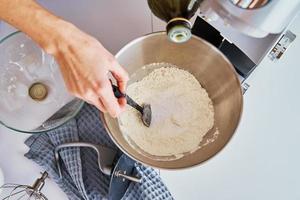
x,y
215,73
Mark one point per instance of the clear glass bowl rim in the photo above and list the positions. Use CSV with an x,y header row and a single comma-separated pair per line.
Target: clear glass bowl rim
x,y
38,131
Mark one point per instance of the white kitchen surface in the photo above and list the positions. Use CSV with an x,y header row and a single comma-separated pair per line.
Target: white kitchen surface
x,y
18,169
260,162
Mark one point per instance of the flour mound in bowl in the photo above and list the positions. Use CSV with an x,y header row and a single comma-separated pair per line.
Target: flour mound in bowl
x,y
182,112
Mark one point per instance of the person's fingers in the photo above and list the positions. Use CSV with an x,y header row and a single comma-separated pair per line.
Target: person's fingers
x,y
108,99
97,102
68,75
120,75
93,99
122,103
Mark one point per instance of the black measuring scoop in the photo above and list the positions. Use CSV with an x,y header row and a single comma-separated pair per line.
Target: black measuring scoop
x,y
145,110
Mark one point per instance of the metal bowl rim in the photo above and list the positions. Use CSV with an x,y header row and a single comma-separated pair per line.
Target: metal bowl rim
x,y
102,117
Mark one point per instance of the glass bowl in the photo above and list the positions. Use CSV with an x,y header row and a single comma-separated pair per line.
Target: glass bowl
x,y
33,96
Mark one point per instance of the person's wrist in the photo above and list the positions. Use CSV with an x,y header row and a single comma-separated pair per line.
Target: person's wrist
x,y
56,38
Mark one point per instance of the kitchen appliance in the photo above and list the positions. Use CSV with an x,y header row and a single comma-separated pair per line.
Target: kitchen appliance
x,y
244,31
176,14
111,162
253,18
18,191
211,69
33,95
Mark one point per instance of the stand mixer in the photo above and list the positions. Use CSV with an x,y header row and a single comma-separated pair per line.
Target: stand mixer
x,y
177,14
254,18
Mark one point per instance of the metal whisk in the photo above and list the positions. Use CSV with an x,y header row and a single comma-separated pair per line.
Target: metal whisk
x,y
25,191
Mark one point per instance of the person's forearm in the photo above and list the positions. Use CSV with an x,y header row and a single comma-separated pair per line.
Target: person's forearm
x,y
84,62
29,17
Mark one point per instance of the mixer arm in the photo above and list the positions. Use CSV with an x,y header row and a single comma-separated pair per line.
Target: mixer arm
x,y
105,155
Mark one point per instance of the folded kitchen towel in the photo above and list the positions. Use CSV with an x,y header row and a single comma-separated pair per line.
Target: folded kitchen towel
x,y
82,178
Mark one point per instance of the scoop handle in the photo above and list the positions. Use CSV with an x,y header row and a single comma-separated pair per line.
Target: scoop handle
x,y
118,94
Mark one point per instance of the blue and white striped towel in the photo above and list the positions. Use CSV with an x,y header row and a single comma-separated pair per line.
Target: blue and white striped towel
x,y
82,178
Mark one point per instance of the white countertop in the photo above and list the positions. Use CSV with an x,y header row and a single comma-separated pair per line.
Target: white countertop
x,y
18,169
260,162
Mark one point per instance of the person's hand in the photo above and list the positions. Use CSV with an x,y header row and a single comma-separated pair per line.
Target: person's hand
x,y
85,65
83,61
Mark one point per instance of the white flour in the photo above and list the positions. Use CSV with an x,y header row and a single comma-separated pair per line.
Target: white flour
x,y
182,112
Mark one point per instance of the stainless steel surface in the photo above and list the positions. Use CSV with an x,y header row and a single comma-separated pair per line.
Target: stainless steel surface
x,y
17,191
282,45
39,183
105,155
123,175
252,4
272,17
147,115
179,34
211,69
118,185
245,87
179,30
119,168
145,110
177,14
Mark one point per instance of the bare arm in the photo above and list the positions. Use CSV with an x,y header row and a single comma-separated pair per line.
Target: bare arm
x,y
32,19
83,61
